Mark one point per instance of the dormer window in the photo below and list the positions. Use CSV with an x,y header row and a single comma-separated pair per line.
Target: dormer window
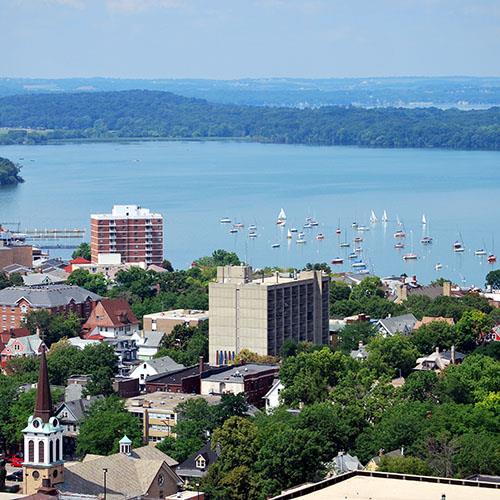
x,y
200,462
24,309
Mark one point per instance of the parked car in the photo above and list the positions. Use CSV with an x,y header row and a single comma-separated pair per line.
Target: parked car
x,y
15,460
15,476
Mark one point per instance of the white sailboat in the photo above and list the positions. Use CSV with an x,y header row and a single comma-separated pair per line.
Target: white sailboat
x,y
289,235
424,220
398,221
373,218
384,217
281,218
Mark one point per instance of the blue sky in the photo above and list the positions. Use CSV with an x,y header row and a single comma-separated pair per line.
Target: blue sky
x,y
226,39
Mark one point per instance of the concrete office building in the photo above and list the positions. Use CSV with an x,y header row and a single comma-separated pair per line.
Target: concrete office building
x,y
133,232
261,314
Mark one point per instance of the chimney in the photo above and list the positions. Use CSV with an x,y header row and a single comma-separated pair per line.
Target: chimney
x,y
402,451
201,364
360,344
453,354
437,350
277,275
401,293
447,288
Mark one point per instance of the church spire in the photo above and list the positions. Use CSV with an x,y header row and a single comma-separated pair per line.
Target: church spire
x,y
43,406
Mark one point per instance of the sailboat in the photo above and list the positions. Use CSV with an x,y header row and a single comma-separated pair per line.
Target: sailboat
x,y
384,217
373,218
458,246
289,235
281,218
398,221
492,258
411,255
424,220
345,243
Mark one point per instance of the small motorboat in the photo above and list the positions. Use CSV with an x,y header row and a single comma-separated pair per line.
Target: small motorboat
x,y
320,236
362,271
233,231
225,220
410,256
344,244
458,247
492,258
358,250
252,227
238,225
480,251
363,228
358,265
338,231
358,239
252,235
293,229
353,255
337,260
275,245
307,225
400,234
426,240
438,266
399,245
300,236
301,241
314,223
354,225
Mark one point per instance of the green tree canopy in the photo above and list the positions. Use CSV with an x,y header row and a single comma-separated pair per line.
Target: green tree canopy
x,y
82,250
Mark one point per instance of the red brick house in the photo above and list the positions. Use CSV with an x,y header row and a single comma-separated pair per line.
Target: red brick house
x,y
110,318
17,301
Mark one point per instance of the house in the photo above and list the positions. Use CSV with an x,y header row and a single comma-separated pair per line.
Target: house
x,y
403,290
430,319
48,278
16,269
28,346
374,462
253,379
344,462
17,301
144,472
148,343
74,387
360,353
6,335
438,361
126,387
126,350
156,366
157,412
272,396
397,324
71,414
195,467
111,318
79,260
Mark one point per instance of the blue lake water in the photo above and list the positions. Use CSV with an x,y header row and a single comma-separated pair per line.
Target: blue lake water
x,y
194,184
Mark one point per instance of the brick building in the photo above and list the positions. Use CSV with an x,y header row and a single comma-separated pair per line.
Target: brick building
x,y
133,232
17,301
166,320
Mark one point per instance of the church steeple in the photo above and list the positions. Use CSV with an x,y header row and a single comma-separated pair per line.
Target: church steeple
x,y
43,439
43,405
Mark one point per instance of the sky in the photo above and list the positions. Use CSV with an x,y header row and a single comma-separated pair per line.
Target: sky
x,y
229,39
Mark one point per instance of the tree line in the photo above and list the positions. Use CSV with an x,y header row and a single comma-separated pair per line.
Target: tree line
x,y
163,115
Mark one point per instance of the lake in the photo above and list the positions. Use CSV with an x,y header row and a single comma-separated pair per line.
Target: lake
x,y
195,184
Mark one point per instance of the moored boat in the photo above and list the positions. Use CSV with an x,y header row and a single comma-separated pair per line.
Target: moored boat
x,y
410,256
320,236
301,241
275,245
399,245
492,258
225,220
480,252
344,244
426,240
400,234
337,260
384,217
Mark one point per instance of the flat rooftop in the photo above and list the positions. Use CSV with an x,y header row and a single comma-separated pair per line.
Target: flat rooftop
x,y
165,400
376,487
238,372
128,212
179,314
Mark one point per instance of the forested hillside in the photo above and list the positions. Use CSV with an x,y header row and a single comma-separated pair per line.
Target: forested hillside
x,y
138,113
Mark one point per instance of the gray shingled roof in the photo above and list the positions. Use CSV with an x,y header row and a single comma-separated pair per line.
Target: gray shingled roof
x,y
344,462
79,407
164,364
46,296
398,324
188,467
152,339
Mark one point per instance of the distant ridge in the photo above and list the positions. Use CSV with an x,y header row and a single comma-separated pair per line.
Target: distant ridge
x,y
164,115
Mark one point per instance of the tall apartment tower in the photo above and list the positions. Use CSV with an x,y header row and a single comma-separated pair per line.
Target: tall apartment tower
x,y
261,314
133,232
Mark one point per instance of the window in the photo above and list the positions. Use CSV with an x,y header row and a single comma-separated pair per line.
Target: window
x,y
31,451
57,450
41,451
200,462
24,309
51,451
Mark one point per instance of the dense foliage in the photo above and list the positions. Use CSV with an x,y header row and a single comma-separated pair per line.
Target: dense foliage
x,y
9,172
139,113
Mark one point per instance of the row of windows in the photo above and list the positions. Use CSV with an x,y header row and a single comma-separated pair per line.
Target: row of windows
x,y
41,451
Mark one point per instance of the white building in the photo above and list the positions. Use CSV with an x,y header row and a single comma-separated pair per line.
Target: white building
x,y
272,398
154,367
